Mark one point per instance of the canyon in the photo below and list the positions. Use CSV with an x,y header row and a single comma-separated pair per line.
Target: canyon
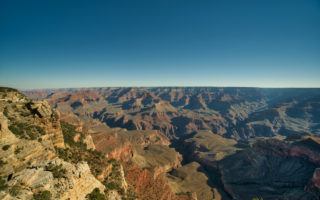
x,y
161,143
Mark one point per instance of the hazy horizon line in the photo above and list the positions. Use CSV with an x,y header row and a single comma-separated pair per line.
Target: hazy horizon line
x,y
203,86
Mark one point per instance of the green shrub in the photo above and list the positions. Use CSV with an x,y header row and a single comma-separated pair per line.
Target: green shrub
x,y
78,152
56,170
113,161
96,195
26,131
157,139
2,163
18,150
43,195
5,112
3,184
14,191
5,147
112,186
130,195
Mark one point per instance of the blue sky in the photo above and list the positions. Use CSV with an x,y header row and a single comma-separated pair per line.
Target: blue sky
x,y
58,43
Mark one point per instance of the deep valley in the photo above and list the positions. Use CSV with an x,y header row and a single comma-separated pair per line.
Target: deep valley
x,y
161,143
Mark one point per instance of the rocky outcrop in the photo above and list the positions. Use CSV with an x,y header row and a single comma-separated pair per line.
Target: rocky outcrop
x,y
89,142
51,119
18,153
40,108
25,166
30,144
73,182
32,120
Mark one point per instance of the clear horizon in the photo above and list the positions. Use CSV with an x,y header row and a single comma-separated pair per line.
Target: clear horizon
x,y
74,44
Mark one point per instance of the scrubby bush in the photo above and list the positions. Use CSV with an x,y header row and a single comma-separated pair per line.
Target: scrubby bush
x,y
56,170
2,163
112,186
18,150
14,191
5,112
96,195
26,131
130,195
6,147
43,195
3,184
157,139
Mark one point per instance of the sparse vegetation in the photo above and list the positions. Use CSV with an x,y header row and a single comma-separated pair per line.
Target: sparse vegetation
x,y
257,198
6,147
113,181
7,89
5,112
112,186
184,193
26,131
95,159
79,152
2,163
43,195
15,190
130,195
157,139
69,134
56,170
18,150
96,195
3,184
